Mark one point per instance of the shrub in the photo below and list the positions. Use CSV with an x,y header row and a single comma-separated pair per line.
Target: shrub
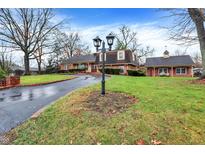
x,y
2,74
111,71
72,70
135,73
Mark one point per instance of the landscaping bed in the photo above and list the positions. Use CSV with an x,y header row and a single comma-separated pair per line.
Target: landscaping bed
x,y
134,110
198,81
110,104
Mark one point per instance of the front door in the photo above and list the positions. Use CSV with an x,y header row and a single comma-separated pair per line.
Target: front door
x,y
122,70
93,68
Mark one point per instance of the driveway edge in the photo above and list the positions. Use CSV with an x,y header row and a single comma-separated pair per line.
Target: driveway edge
x,y
38,84
40,111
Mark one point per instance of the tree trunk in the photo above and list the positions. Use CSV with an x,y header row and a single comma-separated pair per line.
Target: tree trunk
x,y
199,22
201,35
26,63
39,67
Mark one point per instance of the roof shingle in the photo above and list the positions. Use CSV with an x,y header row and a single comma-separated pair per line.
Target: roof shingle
x,y
81,59
184,60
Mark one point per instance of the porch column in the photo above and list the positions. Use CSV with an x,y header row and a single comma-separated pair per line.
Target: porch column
x,y
126,69
88,68
154,72
192,72
172,72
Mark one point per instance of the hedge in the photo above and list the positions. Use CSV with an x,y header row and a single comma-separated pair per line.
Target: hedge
x,y
111,71
135,73
72,70
2,74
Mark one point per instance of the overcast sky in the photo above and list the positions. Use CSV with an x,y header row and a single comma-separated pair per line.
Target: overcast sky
x,y
148,24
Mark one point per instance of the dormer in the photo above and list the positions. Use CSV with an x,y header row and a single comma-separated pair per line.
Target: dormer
x,y
166,54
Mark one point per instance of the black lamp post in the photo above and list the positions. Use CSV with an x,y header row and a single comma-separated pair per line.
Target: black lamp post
x,y
97,43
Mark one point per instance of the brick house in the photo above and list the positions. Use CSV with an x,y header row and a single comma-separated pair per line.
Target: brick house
x,y
117,59
170,66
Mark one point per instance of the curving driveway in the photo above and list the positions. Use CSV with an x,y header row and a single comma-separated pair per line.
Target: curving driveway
x,y
18,104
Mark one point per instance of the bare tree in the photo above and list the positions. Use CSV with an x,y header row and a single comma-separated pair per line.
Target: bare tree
x,y
127,39
144,52
23,29
197,59
188,28
70,44
5,59
179,52
43,48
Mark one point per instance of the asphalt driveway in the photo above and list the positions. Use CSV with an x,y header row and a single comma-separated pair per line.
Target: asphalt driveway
x,y
18,104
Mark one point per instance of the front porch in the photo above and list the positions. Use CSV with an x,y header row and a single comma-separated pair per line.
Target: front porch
x,y
88,67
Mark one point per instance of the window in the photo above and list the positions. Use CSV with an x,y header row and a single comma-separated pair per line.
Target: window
x,y
133,57
65,67
81,66
122,69
101,56
120,55
163,70
180,70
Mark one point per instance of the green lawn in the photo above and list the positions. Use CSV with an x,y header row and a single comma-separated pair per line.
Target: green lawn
x,y
169,110
36,79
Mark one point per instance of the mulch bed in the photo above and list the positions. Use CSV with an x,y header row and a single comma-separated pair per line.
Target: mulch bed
x,y
109,104
198,81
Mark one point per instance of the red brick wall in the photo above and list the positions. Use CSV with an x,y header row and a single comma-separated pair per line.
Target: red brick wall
x,y
61,67
150,72
2,82
10,81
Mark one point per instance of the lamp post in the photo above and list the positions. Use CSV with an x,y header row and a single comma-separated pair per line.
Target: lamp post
x,y
97,43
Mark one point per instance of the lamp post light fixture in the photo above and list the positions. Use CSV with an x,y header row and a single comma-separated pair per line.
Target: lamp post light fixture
x,y
110,40
97,43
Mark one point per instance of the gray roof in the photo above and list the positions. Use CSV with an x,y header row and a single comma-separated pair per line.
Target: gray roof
x,y
80,59
111,58
184,60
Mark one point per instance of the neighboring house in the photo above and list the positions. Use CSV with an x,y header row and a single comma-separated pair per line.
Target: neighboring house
x,y
80,62
170,65
117,59
20,70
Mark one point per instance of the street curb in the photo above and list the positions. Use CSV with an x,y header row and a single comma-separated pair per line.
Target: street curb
x,y
45,83
38,84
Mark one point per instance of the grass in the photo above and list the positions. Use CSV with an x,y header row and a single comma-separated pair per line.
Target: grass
x,y
36,79
169,110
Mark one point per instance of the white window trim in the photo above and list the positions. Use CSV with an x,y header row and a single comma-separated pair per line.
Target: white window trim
x,y
133,57
181,71
123,55
100,57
